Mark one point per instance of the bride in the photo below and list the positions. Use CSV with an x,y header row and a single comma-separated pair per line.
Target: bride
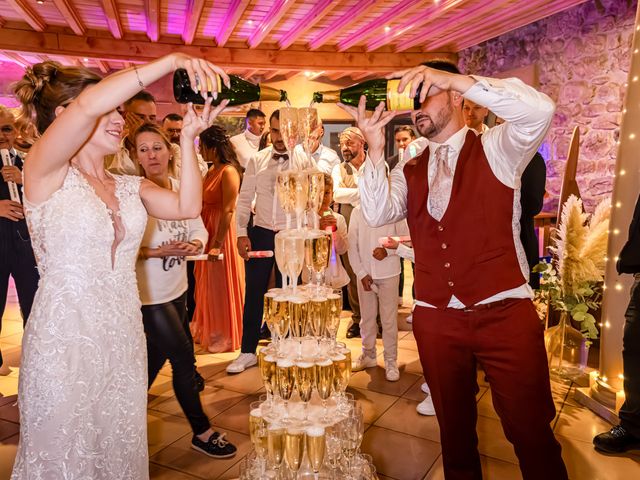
x,y
83,379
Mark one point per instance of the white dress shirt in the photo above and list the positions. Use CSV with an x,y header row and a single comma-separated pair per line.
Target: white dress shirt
x,y
246,145
509,148
344,194
259,183
326,158
363,240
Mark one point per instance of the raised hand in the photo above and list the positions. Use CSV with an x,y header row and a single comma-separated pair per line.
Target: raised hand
x,y
372,126
194,123
431,80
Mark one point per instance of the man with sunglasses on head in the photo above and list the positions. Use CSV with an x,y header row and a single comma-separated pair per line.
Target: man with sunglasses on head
x,y
16,254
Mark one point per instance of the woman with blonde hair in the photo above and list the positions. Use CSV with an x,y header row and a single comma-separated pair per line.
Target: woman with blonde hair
x,y
83,380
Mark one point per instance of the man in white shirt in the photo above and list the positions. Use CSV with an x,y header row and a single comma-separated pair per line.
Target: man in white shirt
x,y
247,142
259,182
346,195
461,200
325,158
475,115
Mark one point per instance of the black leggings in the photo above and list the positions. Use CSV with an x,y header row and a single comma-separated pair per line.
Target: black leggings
x,y
166,327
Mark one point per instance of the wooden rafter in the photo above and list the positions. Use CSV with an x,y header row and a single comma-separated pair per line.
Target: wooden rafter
x,y
357,76
231,19
340,24
142,51
317,13
278,9
103,66
271,74
113,17
17,58
70,14
376,26
192,19
152,13
336,75
24,9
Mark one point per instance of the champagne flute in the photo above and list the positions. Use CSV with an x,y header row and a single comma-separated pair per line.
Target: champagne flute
x,y
281,255
275,445
305,376
333,318
280,307
324,383
308,124
282,190
285,380
294,449
318,313
333,436
315,440
299,192
294,260
342,375
317,253
267,363
316,195
258,433
267,313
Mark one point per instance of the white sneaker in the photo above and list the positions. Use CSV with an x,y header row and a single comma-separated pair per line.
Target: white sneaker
x,y
240,364
391,371
409,319
425,388
426,407
362,362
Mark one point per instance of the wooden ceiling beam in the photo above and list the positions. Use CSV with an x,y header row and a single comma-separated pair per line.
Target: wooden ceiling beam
x,y
482,15
110,8
192,14
336,27
71,16
271,74
376,27
278,9
317,13
152,14
142,51
413,23
26,11
333,76
17,58
231,19
103,66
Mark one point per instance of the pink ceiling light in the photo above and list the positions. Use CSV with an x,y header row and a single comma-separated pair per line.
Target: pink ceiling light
x,y
316,14
413,23
354,14
369,29
276,12
235,11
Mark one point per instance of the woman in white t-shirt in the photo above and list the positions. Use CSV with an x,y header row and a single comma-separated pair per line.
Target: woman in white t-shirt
x,y
162,281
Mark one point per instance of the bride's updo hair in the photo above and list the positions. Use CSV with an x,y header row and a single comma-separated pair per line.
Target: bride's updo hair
x,y
48,85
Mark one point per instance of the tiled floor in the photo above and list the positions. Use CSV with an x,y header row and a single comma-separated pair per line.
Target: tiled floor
x,y
405,446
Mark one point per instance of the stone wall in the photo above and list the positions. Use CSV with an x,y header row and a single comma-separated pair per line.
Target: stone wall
x,y
582,57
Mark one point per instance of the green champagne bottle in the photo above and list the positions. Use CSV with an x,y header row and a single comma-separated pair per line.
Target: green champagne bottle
x,y
376,91
239,93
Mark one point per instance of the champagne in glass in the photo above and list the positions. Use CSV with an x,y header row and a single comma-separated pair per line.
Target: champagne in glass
x,y
281,254
305,374
315,447
299,192
294,448
267,313
316,195
285,378
257,431
317,252
294,251
282,190
333,318
342,375
267,363
280,314
298,315
318,313
308,124
289,127
275,445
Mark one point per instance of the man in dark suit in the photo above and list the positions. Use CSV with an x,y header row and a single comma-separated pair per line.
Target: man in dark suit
x,y
626,436
16,254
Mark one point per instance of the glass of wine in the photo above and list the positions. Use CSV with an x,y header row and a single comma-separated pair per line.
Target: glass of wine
x,y
308,125
282,190
333,317
267,312
281,255
285,379
305,376
294,449
281,320
317,247
342,375
275,445
289,131
316,441
324,383
299,194
316,195
267,363
294,256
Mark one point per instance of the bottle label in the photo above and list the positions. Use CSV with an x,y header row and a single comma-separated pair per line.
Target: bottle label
x,y
398,101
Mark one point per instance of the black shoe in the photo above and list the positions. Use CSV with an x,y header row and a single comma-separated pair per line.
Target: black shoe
x,y
353,331
217,446
199,381
616,440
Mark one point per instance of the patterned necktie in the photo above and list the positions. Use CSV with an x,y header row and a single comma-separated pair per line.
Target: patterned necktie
x,y
440,191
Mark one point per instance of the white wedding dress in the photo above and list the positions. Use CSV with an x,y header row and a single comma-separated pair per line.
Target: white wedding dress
x,y
83,377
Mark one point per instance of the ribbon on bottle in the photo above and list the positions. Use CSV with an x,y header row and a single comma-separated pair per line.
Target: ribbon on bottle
x,y
13,188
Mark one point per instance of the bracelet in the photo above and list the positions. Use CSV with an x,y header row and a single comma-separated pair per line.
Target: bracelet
x,y
138,75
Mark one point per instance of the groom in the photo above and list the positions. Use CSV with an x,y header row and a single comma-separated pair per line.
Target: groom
x,y
458,197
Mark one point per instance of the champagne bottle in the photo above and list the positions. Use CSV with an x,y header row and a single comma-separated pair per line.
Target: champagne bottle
x,y
239,93
376,91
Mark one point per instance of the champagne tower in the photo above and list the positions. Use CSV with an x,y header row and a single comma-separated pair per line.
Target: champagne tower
x,y
306,426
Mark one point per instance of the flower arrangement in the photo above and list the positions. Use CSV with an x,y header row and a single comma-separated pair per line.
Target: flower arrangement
x,y
572,283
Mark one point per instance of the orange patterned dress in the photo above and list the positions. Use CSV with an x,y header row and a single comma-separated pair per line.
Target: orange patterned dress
x,y
217,320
